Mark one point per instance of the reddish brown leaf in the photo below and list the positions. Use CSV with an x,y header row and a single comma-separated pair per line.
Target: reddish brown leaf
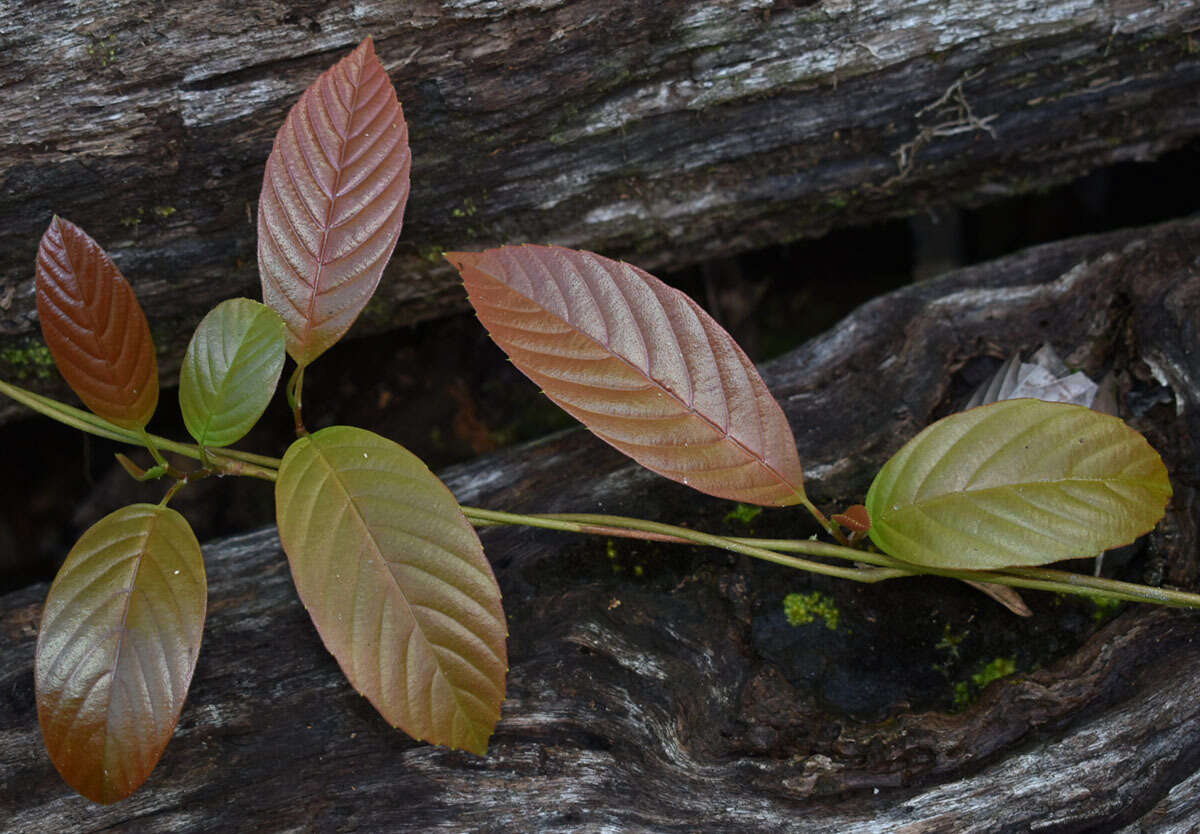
x,y
333,201
94,327
117,647
640,364
854,518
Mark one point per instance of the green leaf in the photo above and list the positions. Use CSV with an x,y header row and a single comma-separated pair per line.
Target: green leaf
x,y
117,647
332,201
641,365
1018,482
94,327
230,371
396,583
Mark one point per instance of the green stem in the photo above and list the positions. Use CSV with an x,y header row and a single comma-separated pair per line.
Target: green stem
x,y
69,416
234,462
887,567
148,442
294,390
175,487
588,523
825,523
227,461
1062,581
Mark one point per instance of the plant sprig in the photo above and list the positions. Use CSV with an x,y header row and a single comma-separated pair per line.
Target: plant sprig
x,y
371,535
237,462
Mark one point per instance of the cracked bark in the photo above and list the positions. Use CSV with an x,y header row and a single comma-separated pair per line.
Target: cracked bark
x,y
665,133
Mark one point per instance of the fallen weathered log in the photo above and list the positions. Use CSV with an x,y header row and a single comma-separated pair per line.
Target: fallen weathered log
x,y
665,133
655,688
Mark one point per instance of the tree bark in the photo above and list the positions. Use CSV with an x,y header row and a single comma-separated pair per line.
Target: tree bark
x,y
656,688
664,133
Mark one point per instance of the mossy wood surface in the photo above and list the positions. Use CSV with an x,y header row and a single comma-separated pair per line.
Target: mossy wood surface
x,y
663,689
664,133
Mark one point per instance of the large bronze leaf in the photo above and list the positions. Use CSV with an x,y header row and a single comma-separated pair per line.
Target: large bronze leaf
x,y
640,364
94,327
332,201
396,583
117,647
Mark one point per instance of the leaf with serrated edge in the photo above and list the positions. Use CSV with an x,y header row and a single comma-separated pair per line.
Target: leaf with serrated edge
x,y
640,364
332,201
1018,482
118,643
230,371
94,327
396,582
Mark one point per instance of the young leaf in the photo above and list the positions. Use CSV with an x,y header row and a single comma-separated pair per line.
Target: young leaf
x,y
332,202
640,364
95,328
1018,482
396,582
118,644
230,371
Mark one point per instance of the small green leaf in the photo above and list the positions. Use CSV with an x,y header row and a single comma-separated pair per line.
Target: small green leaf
x,y
118,643
1018,482
396,583
230,371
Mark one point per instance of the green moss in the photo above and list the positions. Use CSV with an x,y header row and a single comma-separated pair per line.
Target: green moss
x,y
743,514
1000,667
164,211
468,209
35,360
103,49
966,691
950,641
433,254
949,644
1105,608
802,609
610,550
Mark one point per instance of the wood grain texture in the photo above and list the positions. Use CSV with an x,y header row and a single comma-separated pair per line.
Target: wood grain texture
x,y
680,700
660,133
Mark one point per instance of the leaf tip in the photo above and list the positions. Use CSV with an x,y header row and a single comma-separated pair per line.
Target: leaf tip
x,y
462,260
856,518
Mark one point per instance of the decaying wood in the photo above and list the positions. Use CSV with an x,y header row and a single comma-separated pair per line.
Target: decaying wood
x,y
663,132
660,689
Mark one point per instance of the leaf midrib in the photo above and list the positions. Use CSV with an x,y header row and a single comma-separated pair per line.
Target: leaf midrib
x,y
383,567
944,497
327,224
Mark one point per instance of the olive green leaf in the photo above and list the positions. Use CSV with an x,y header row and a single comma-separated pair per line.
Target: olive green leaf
x,y
1018,482
396,583
230,370
117,647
